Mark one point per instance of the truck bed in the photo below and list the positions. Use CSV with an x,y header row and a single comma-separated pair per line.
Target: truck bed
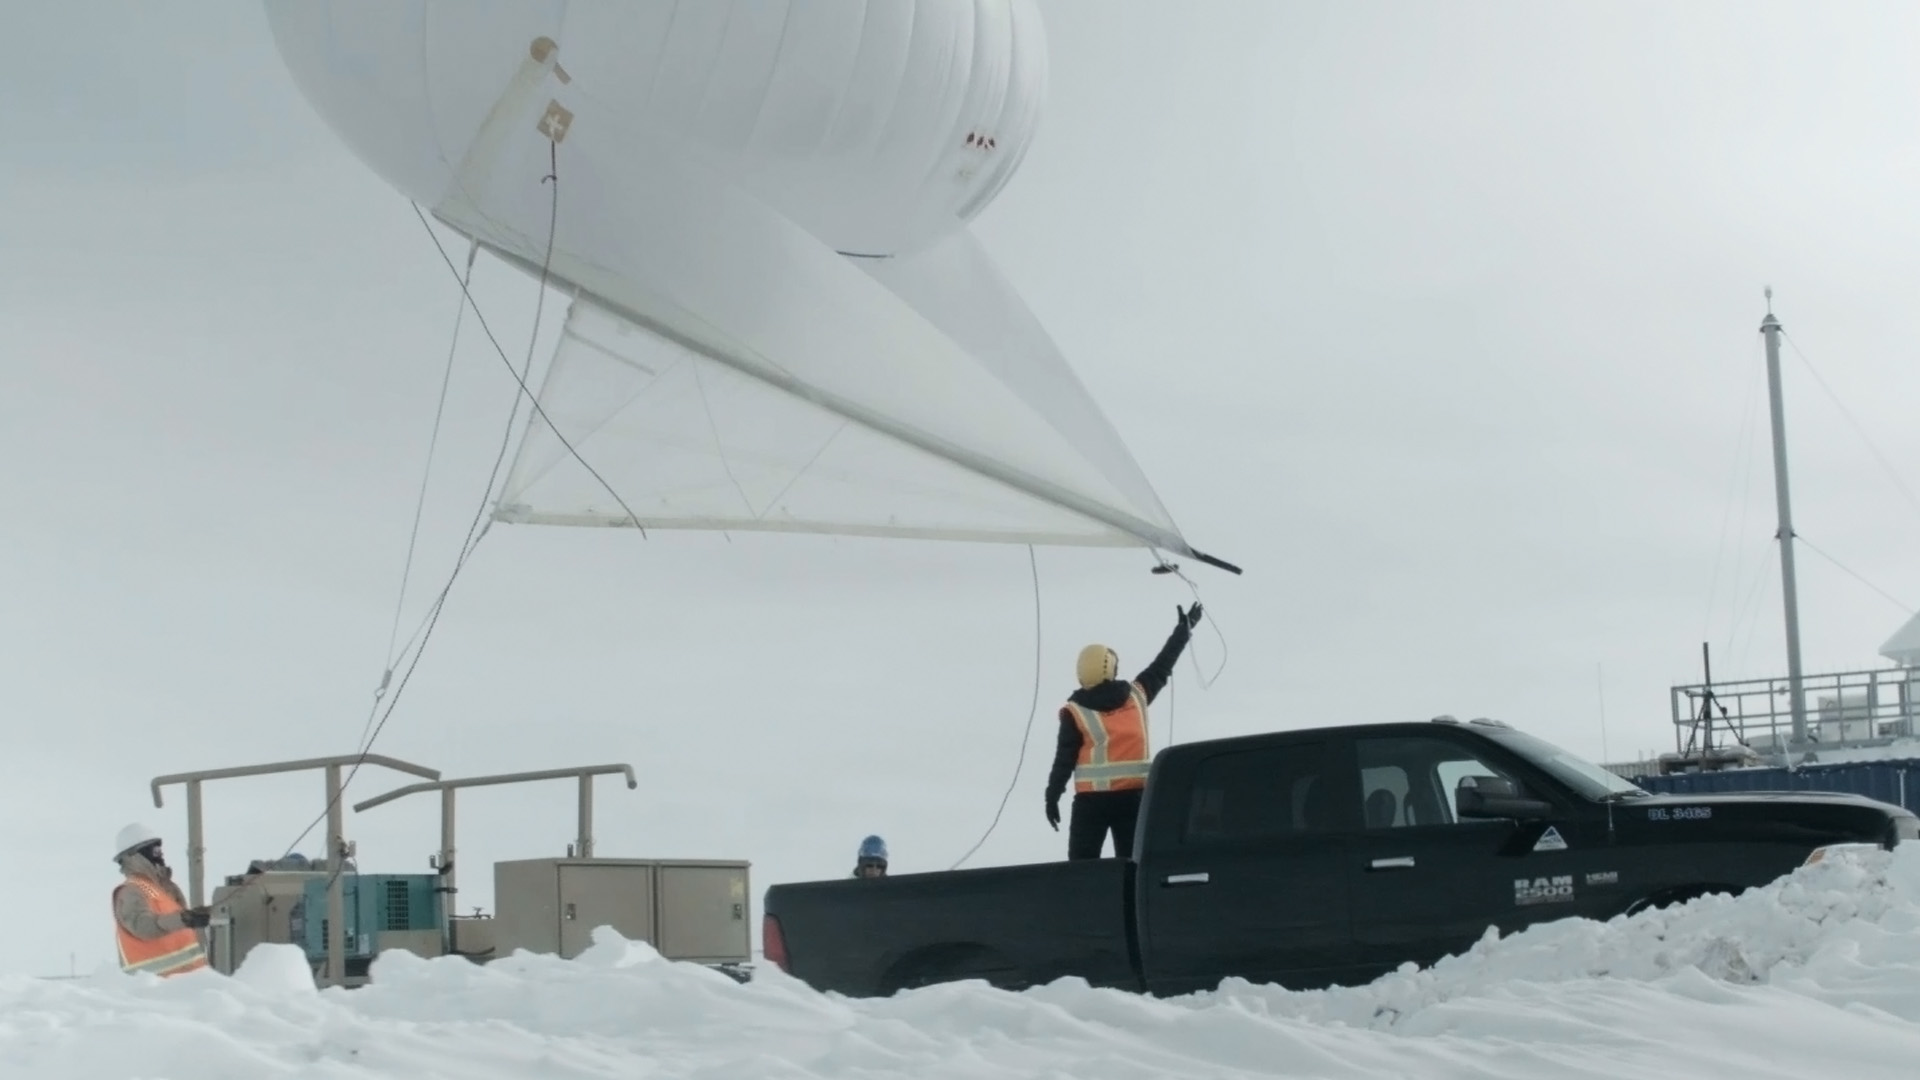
x,y
1014,926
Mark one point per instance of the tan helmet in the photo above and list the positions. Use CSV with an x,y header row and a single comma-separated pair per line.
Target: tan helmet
x,y
1096,665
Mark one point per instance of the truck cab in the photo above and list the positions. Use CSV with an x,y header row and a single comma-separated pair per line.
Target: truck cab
x,y
1335,855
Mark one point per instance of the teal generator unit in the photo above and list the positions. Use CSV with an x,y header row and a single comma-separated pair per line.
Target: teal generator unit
x,y
375,905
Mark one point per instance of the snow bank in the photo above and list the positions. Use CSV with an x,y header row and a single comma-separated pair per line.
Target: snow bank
x,y
1817,975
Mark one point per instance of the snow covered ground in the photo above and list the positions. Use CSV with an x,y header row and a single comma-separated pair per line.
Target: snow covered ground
x,y
1815,976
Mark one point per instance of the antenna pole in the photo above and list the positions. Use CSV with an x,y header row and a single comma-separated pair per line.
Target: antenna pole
x,y
1796,688
1600,683
1706,707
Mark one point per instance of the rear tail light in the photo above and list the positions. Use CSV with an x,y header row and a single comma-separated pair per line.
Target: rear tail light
x,y
774,943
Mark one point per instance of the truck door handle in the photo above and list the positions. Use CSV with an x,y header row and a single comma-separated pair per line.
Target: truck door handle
x,y
1402,862
1200,878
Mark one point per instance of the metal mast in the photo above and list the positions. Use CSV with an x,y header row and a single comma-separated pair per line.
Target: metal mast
x,y
1770,327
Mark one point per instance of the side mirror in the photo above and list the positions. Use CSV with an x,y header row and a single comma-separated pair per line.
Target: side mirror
x,y
1496,797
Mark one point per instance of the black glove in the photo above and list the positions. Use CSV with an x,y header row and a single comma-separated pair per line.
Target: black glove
x,y
1053,812
1189,617
195,918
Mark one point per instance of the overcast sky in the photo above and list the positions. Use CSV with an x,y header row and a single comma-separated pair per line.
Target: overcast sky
x,y
1441,320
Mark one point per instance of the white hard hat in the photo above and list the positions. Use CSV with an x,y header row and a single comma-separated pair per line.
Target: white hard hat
x,y
133,836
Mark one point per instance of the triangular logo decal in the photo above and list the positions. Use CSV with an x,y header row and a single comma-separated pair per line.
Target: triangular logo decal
x,y
1550,841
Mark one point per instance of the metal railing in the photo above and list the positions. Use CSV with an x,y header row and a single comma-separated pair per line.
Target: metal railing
x,y
1844,709
1628,770
336,830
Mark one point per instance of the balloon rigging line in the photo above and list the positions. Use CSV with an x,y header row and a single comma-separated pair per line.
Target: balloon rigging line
x,y
433,442
1206,682
521,376
1033,711
420,502
476,530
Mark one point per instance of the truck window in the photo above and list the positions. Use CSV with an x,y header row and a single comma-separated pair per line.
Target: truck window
x,y
1269,790
1410,779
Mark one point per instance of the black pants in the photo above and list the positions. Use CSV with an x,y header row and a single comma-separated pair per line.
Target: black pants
x,y
1096,812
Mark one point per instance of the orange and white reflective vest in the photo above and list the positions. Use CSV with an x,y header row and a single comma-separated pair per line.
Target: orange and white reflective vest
x,y
1113,745
173,953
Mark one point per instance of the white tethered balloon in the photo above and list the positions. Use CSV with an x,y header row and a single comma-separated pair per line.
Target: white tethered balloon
x,y
780,319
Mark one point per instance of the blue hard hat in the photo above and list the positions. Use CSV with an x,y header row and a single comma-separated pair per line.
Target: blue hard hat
x,y
873,848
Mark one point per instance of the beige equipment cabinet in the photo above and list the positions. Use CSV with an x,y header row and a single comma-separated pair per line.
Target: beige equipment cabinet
x,y
693,910
257,912
687,909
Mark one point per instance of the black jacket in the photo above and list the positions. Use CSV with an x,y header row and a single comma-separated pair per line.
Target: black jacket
x,y
1105,697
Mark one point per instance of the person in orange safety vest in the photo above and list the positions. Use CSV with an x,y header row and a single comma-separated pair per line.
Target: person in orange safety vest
x,y
156,929
1104,744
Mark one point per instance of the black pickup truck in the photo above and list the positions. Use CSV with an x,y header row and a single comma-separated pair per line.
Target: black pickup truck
x,y
1316,858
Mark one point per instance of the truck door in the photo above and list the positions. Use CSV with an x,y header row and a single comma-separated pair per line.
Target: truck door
x,y
1427,884
1242,871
